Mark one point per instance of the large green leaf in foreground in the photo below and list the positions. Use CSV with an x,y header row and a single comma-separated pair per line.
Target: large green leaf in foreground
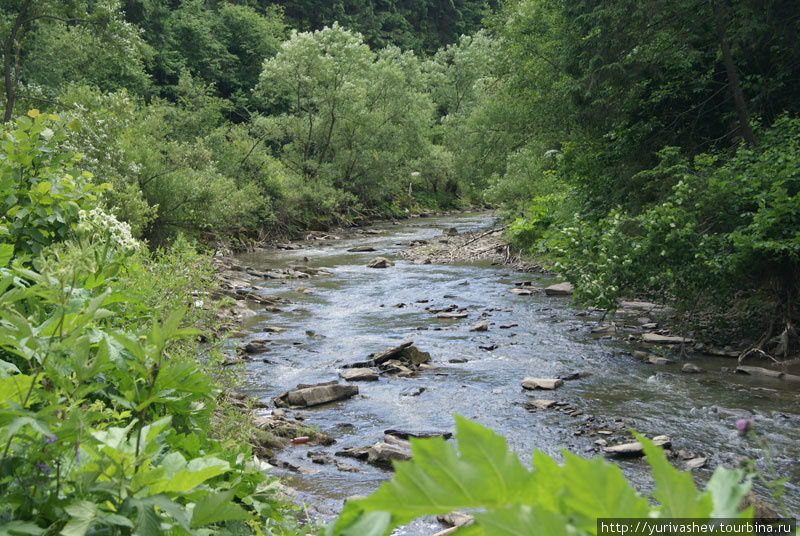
x,y
509,499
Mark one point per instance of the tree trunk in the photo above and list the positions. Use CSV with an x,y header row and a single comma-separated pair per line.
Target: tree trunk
x,y
733,78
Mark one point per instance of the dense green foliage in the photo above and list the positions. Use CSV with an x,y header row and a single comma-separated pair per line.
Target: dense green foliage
x,y
423,26
642,148
646,148
105,407
549,500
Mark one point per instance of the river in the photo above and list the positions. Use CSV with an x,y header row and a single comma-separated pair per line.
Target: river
x,y
357,311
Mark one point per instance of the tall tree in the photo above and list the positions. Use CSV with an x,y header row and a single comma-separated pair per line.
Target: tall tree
x,y
73,40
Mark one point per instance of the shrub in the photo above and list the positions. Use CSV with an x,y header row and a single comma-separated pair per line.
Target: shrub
x,y
42,192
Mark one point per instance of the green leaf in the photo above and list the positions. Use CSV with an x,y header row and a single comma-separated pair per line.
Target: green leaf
x,y
674,489
521,520
595,488
439,480
727,489
6,253
82,514
148,523
217,507
184,481
7,369
371,524
14,528
14,388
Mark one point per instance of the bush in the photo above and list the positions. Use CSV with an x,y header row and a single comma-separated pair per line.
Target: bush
x,y
105,408
42,192
729,229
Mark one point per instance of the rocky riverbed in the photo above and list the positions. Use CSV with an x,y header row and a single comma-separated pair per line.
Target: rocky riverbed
x,y
353,360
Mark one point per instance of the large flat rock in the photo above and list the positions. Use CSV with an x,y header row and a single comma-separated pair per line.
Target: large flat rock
x,y
634,448
547,384
655,338
360,375
382,454
760,371
559,289
315,395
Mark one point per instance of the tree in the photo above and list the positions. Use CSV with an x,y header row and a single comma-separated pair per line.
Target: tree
x,y
35,34
356,120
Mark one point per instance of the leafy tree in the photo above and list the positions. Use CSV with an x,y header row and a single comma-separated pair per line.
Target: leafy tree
x,y
423,26
46,43
222,44
356,120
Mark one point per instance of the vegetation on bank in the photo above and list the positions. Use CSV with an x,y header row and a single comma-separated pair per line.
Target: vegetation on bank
x,y
659,157
643,149
107,394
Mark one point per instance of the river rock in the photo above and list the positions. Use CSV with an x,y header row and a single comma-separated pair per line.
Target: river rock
x,y
559,289
405,434
634,448
362,249
315,395
691,368
403,359
283,429
390,352
606,329
521,291
696,463
760,371
456,519
359,453
480,326
656,360
397,367
380,262
382,454
255,347
547,384
655,338
273,329
452,316
397,442
736,413
412,391
359,375
761,509
452,231
539,404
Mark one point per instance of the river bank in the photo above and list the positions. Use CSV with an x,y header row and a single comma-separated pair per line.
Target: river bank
x,y
328,321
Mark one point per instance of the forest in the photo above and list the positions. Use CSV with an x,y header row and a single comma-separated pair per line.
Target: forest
x,y
638,148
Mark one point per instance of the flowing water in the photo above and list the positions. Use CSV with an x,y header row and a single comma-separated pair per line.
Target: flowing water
x,y
357,311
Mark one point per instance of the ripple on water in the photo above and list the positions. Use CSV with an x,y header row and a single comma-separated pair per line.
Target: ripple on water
x,y
354,310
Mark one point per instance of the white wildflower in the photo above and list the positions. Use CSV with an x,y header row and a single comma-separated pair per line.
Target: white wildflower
x,y
119,232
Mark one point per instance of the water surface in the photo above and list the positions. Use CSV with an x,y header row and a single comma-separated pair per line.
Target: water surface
x,y
357,311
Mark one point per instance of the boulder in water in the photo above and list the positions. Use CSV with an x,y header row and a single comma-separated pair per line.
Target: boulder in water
x,y
547,384
559,289
380,262
315,395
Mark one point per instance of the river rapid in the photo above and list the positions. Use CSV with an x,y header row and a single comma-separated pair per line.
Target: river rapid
x,y
358,310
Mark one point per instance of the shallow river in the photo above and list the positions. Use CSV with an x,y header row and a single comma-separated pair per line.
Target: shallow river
x,y
356,312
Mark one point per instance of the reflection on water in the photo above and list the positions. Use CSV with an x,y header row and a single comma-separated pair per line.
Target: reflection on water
x,y
358,310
